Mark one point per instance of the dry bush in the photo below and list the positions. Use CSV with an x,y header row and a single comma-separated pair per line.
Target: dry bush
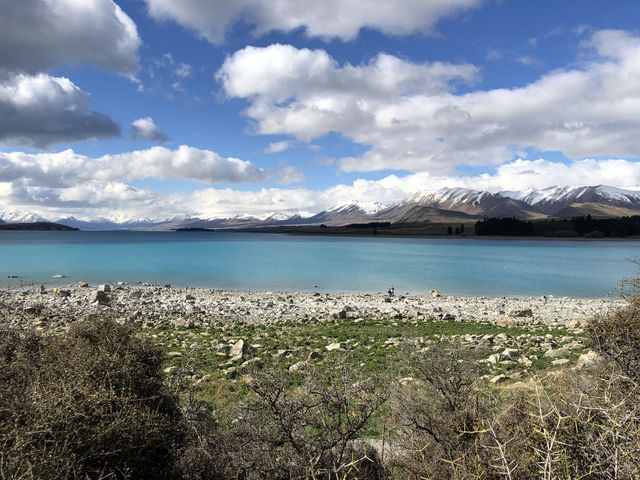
x,y
437,415
617,337
306,431
86,404
575,426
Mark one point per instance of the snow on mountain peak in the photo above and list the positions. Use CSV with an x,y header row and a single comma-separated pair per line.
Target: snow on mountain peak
x,y
367,207
17,216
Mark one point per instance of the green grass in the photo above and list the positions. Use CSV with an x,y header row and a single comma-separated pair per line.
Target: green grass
x,y
363,342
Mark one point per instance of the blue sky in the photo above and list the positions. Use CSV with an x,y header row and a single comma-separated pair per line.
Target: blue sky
x,y
161,108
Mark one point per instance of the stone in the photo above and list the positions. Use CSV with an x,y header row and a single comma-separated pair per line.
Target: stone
x,y
526,361
435,293
560,361
510,353
499,378
170,370
525,312
256,361
338,314
560,352
493,359
63,293
174,354
82,284
100,297
314,355
105,287
297,366
588,359
333,346
239,349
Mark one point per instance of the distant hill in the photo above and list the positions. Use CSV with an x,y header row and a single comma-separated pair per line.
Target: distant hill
x,y
35,226
446,205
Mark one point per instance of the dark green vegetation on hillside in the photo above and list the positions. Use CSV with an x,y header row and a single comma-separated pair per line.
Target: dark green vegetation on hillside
x,y
587,227
389,399
35,226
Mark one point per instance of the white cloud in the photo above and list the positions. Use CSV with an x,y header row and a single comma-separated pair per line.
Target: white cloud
x,y
527,60
183,70
287,175
277,147
38,110
145,128
329,18
37,35
41,184
41,110
67,169
410,117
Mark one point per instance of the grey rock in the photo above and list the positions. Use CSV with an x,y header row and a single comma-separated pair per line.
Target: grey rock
x,y
100,297
239,349
499,378
588,359
560,352
333,346
297,366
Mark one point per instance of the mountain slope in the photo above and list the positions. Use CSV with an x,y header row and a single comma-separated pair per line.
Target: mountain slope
x,y
554,201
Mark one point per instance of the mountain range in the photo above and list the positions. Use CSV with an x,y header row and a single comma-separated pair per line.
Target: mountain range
x,y
447,205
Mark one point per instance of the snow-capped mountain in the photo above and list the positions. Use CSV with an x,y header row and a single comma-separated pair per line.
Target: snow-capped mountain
x,y
17,216
555,201
471,203
355,212
97,224
447,205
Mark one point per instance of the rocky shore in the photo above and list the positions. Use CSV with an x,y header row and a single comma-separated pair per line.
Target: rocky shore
x,y
155,306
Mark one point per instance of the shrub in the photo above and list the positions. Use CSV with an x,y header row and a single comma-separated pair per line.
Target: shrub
x,y
437,413
616,336
309,430
87,404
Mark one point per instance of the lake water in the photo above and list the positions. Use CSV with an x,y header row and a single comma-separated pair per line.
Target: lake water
x,y
244,261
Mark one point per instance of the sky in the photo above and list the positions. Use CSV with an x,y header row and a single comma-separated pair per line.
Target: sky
x,y
158,109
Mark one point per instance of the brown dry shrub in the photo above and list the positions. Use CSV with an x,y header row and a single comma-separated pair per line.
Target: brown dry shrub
x,y
616,336
86,404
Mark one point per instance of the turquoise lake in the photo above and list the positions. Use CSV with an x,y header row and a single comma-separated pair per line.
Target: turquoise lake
x,y
245,261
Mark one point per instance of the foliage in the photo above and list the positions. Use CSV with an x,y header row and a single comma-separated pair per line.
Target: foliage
x,y
90,403
587,227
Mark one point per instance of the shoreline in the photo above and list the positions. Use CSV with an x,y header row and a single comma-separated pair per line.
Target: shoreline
x,y
199,307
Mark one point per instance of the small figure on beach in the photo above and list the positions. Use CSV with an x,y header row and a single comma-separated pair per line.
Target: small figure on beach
x,y
42,289
391,291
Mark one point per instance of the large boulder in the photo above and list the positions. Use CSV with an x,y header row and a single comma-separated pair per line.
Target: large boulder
x,y
100,297
239,349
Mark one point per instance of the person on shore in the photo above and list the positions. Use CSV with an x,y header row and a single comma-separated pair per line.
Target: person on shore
x,y
391,291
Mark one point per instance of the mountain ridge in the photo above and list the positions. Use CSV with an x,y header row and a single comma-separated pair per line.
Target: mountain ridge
x,y
445,205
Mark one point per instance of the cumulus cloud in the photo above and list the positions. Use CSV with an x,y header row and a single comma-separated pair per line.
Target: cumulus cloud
x,y
41,110
145,128
287,175
330,18
411,118
67,169
38,110
37,35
